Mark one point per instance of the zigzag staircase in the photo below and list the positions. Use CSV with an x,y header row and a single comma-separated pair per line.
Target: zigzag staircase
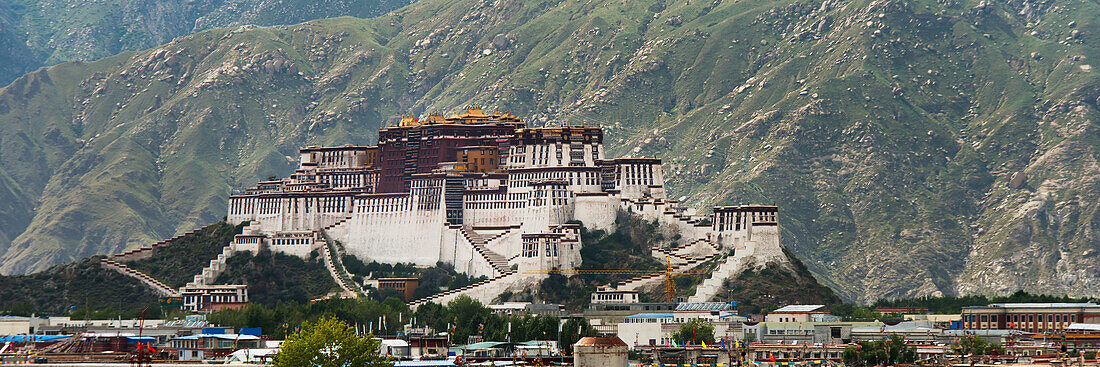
x,y
333,258
211,272
498,262
155,285
478,241
710,286
685,263
438,298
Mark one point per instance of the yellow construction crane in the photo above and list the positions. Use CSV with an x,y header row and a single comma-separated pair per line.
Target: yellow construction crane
x,y
670,287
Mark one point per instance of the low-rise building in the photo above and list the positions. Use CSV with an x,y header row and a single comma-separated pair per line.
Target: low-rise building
x,y
654,329
786,352
210,346
214,297
405,286
605,317
1030,317
801,313
614,296
803,332
21,325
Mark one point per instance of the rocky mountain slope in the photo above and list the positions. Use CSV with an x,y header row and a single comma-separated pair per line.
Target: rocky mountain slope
x,y
914,147
35,33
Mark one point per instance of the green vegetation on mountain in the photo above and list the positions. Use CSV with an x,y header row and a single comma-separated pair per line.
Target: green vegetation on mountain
x,y
178,263
627,248
82,285
775,285
42,33
951,304
432,280
274,277
915,148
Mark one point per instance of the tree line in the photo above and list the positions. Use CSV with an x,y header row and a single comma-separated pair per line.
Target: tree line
x,y
459,319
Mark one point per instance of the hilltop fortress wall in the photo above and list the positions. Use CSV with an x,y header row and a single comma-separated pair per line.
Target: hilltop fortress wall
x,y
481,192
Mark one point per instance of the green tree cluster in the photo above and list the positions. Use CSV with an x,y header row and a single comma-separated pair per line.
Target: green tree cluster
x,y
695,332
976,345
465,316
433,280
274,277
459,318
281,320
887,352
330,342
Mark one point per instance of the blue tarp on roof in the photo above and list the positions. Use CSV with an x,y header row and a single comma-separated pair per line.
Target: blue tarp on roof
x,y
481,345
37,338
140,339
650,315
219,336
438,363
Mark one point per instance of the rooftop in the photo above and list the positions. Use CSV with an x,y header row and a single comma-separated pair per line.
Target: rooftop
x,y
220,336
1077,326
704,306
608,341
800,309
1040,305
650,315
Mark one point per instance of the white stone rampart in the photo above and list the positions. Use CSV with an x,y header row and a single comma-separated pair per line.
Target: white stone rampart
x,y
216,267
730,267
148,281
596,211
148,251
393,229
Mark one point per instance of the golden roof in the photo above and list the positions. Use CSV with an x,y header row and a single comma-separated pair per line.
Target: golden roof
x,y
408,120
435,118
473,111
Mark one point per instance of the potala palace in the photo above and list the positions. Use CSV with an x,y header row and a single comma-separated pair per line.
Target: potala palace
x,y
489,195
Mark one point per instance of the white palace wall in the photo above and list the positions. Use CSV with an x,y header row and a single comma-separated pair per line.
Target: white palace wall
x,y
596,212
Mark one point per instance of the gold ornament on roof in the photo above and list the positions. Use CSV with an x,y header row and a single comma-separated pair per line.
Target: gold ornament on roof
x,y
408,120
435,118
473,111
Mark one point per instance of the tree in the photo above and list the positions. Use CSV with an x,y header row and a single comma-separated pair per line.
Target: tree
x,y
330,342
573,330
976,345
886,352
695,332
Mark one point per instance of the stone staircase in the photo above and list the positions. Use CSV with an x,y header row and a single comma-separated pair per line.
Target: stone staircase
x,y
148,251
339,222
478,241
732,266
211,272
673,257
335,265
155,285
498,262
445,297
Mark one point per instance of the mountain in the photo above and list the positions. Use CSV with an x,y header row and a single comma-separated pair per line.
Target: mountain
x,y
36,33
914,147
